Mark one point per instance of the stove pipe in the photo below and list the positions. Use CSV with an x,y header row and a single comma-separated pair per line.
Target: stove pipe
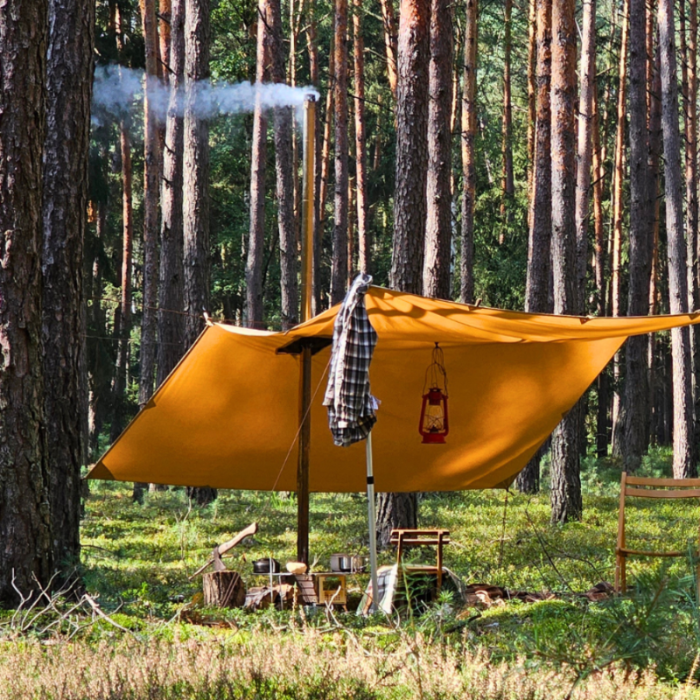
x,y
307,207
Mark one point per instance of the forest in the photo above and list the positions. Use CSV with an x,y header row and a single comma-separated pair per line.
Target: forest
x,y
538,156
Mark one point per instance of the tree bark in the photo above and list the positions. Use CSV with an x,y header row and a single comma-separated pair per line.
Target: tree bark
x,y
531,95
339,263
122,320
151,172
507,182
400,510
122,325
363,242
284,170
688,37
539,269
585,136
603,382
469,154
25,518
566,483
683,457
654,202
256,235
616,195
171,325
635,407
411,146
196,185
390,44
68,87
438,234
165,14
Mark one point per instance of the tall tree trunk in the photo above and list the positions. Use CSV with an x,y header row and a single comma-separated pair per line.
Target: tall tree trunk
x,y
363,243
585,137
325,153
151,172
654,207
531,95
339,265
68,87
507,183
539,269
122,326
100,356
566,483
400,510
438,234
312,47
603,382
688,37
389,25
683,458
284,169
635,411
122,320
196,185
691,189
25,525
256,235
171,325
469,154
618,178
165,15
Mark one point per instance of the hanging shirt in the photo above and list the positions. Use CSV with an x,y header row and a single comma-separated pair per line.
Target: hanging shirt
x,y
350,405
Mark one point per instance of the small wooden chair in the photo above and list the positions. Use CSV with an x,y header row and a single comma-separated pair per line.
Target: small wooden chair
x,y
641,487
421,538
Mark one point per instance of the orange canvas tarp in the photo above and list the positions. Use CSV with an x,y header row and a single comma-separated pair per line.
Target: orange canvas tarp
x,y
228,415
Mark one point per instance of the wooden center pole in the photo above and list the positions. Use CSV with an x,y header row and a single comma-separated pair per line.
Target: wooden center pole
x,y
307,258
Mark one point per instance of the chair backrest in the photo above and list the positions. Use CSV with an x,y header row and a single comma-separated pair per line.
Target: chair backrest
x,y
660,488
643,487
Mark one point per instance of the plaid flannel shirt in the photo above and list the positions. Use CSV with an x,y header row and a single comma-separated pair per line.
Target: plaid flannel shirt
x,y
350,405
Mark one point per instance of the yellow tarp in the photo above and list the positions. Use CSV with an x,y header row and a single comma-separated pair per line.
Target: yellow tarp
x,y
228,415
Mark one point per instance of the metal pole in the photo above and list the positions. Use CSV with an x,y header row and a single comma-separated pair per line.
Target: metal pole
x,y
372,518
307,257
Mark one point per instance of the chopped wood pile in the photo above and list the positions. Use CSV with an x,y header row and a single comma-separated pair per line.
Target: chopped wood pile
x,y
485,595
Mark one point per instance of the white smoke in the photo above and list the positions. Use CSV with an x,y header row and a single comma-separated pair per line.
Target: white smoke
x,y
117,92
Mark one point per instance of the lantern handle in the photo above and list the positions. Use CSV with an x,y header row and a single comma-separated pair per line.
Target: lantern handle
x,y
435,370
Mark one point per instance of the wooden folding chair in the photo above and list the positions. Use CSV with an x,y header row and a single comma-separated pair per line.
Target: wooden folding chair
x,y
421,538
641,487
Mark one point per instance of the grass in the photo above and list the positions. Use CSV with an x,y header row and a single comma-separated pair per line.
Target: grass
x,y
137,559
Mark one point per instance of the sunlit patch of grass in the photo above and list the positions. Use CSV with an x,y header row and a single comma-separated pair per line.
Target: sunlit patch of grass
x,y
138,558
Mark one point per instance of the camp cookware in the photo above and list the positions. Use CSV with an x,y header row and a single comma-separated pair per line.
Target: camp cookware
x,y
359,564
266,566
341,563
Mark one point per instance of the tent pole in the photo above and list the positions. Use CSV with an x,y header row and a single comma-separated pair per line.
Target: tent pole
x,y
307,258
372,518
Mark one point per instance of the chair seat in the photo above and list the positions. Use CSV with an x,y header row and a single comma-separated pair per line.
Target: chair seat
x,y
643,553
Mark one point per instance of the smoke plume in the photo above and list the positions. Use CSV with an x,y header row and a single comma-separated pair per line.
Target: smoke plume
x,y
117,91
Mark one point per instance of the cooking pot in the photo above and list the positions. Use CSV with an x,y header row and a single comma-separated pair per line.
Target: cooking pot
x,y
266,566
341,563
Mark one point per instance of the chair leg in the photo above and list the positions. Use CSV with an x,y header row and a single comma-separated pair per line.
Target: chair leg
x,y
617,573
623,574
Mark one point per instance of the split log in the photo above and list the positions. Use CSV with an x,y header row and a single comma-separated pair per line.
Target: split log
x,y
223,589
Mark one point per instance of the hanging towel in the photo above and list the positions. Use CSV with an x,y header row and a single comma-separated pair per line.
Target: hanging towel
x,y
350,405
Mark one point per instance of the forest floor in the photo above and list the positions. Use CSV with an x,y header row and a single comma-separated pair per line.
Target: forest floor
x,y
159,642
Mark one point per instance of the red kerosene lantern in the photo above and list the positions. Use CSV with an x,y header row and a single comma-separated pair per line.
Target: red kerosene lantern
x,y
434,421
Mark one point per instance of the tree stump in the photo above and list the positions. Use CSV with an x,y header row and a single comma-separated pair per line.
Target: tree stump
x,y
223,589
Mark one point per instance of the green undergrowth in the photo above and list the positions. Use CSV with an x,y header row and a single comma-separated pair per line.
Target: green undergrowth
x,y
136,561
